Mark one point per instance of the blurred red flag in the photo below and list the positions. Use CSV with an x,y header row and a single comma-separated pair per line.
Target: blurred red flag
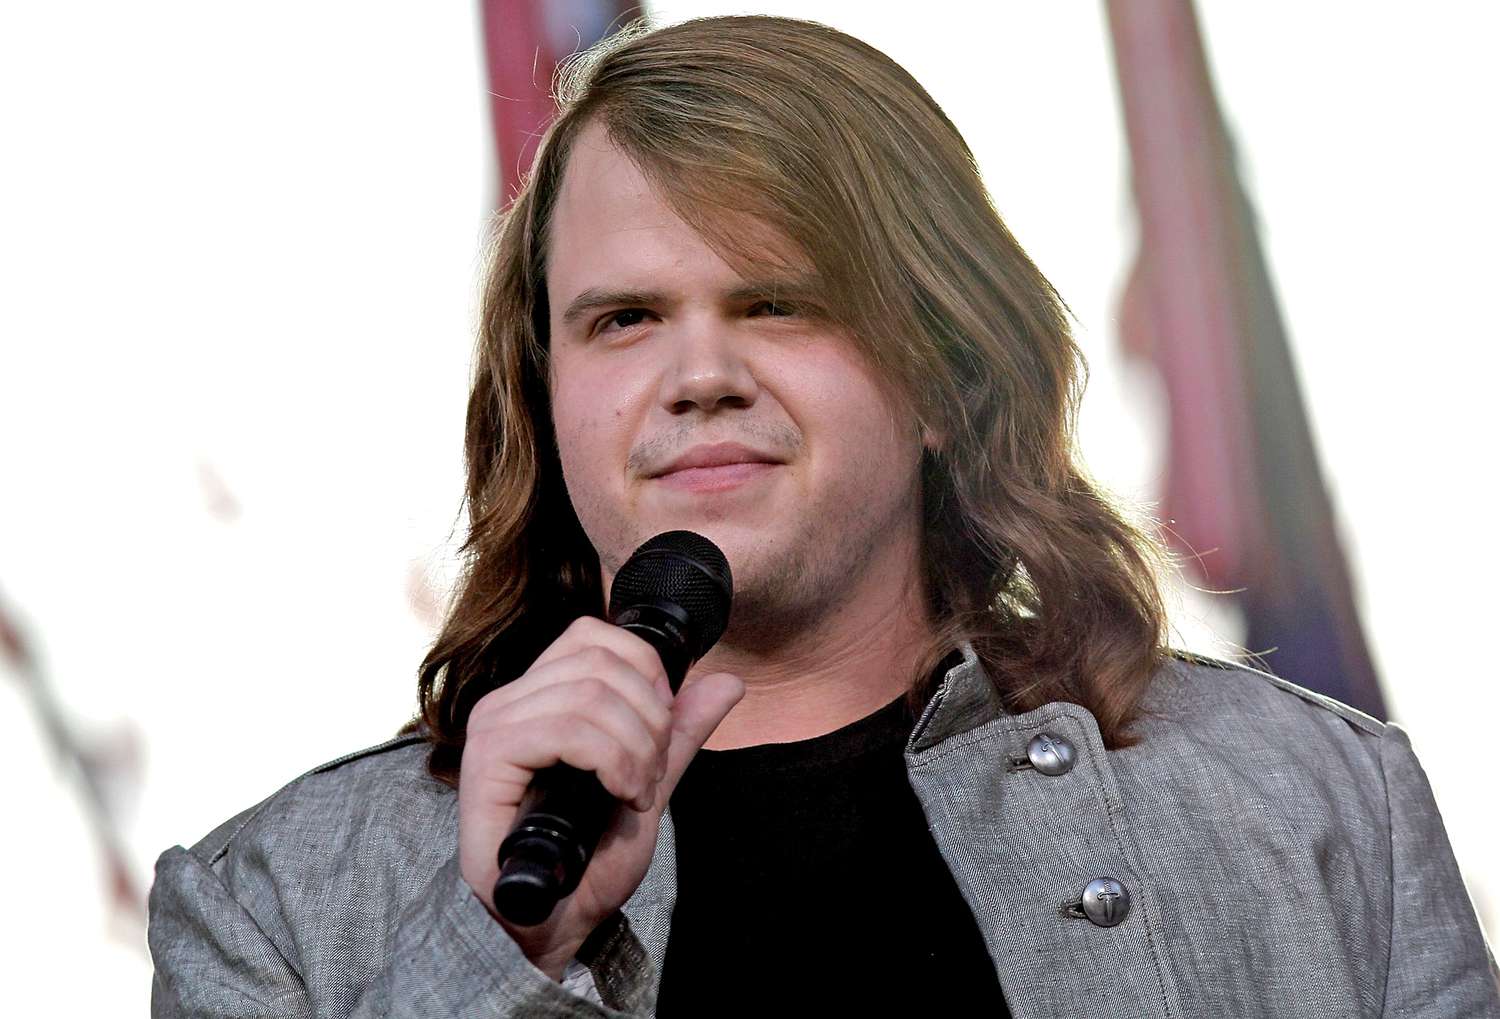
x,y
524,41
1244,491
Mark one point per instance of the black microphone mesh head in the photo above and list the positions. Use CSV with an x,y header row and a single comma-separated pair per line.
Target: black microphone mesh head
x,y
684,568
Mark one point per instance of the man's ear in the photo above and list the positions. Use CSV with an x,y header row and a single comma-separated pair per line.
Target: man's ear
x,y
933,439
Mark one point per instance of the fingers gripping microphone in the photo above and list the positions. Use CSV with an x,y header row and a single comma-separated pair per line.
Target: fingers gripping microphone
x,y
674,593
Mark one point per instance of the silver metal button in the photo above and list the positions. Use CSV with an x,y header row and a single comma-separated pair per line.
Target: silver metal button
x,y
1105,901
1049,754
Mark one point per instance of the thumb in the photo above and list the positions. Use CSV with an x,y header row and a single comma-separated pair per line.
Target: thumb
x,y
699,708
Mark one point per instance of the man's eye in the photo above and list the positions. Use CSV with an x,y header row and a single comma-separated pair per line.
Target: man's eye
x,y
773,308
625,319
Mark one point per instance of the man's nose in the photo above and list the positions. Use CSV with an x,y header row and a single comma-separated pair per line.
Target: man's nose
x,y
707,371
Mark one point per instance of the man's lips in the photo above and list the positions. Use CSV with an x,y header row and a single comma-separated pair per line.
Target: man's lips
x,y
716,455
716,467
717,478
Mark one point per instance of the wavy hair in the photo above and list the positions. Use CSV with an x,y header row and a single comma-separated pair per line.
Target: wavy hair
x,y
829,141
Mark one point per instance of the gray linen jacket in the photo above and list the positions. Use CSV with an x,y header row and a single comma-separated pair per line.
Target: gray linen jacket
x,y
1282,854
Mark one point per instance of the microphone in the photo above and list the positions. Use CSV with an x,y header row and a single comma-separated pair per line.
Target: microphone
x,y
674,593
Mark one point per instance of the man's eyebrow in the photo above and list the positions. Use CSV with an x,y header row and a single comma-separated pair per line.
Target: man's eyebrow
x,y
793,289
595,297
801,287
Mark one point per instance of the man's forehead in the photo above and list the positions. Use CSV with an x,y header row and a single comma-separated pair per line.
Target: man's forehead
x,y
606,195
597,173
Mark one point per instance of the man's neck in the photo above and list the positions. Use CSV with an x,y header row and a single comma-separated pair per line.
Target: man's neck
x,y
858,659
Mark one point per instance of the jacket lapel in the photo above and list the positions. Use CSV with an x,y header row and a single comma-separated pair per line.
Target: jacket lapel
x,y
1023,846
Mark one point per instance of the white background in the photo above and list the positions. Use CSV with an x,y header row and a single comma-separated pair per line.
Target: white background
x,y
238,252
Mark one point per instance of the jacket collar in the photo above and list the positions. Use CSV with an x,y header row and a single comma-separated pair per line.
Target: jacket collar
x,y
965,699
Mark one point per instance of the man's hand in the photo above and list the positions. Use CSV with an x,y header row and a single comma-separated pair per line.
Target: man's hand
x,y
598,699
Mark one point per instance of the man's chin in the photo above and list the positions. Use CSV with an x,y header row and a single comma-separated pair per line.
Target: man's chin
x,y
744,545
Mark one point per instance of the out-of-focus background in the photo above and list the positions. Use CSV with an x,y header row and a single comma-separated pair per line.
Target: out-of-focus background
x,y
240,246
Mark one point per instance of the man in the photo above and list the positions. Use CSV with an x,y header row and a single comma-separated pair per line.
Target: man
x,y
940,759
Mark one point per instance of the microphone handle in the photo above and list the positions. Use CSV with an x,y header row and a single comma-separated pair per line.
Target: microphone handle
x,y
563,814
566,810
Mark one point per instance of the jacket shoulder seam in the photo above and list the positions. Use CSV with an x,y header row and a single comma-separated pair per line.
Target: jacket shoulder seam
x,y
240,821
1390,831
1352,715
394,743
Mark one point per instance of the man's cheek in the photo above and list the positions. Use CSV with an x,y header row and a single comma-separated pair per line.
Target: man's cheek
x,y
582,465
576,429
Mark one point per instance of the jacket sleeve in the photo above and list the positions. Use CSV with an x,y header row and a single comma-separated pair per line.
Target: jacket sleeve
x,y
1439,962
447,956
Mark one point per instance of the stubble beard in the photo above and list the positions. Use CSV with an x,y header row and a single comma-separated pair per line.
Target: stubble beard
x,y
781,589
788,591
786,588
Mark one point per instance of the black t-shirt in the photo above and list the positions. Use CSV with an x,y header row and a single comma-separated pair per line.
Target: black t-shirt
x,y
807,881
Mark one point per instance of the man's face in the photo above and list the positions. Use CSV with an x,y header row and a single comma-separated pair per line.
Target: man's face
x,y
660,350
